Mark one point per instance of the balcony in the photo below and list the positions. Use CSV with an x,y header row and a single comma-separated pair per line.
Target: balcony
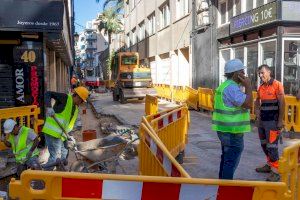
x,y
91,37
91,47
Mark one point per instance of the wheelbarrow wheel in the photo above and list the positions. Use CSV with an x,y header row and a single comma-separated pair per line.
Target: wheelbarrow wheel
x,y
79,166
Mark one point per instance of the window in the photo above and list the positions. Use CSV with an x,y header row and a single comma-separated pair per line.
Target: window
x,y
291,59
141,31
249,5
133,36
127,40
151,24
230,8
132,4
251,63
259,3
129,60
164,15
182,8
224,57
223,13
268,54
238,7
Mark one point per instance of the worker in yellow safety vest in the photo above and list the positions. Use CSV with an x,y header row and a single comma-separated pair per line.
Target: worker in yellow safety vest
x,y
61,119
23,142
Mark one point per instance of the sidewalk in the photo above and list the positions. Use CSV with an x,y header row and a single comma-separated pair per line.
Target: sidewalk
x,y
203,150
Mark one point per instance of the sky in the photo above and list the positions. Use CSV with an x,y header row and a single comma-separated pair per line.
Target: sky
x,y
85,10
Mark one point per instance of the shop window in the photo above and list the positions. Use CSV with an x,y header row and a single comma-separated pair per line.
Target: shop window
x,y
225,55
291,80
268,55
239,53
252,64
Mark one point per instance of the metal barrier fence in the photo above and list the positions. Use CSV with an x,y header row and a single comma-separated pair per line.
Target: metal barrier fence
x,y
154,158
289,169
68,185
206,97
172,129
151,105
25,115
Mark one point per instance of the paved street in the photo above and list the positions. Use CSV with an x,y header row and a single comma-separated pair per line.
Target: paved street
x,y
203,150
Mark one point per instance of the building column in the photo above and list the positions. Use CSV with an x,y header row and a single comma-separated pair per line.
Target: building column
x,y
174,68
52,75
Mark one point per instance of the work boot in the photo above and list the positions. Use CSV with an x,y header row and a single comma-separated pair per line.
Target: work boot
x,y
274,177
264,169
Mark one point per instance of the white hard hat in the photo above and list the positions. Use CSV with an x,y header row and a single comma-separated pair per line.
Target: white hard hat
x,y
9,125
233,66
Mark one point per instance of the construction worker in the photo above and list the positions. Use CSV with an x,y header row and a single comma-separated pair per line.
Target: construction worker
x,y
61,116
269,108
231,117
74,82
23,142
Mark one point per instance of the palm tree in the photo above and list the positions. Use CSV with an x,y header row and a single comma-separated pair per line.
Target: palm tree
x,y
110,23
117,5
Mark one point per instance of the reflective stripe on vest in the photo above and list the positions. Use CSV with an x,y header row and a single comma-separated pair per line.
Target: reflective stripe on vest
x,y
21,149
229,119
52,128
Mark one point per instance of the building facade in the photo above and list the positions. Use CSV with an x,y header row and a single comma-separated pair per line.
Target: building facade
x,y
255,31
90,44
36,39
159,30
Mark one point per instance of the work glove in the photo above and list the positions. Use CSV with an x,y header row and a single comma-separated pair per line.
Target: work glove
x,y
50,112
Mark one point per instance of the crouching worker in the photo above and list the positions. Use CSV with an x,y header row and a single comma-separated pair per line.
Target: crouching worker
x,y
61,119
23,141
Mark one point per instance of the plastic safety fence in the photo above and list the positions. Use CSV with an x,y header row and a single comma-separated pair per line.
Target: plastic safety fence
x,y
172,129
154,158
289,169
25,115
206,97
160,113
252,110
159,89
151,105
68,185
167,92
192,97
292,114
179,94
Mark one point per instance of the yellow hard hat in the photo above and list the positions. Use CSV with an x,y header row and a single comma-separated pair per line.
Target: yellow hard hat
x,y
82,92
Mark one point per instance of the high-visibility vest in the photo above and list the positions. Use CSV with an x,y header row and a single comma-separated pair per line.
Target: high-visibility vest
x,y
269,108
53,129
229,119
21,149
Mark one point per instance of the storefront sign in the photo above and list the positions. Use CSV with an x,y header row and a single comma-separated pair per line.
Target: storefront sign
x,y
20,84
253,18
29,73
43,15
290,10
